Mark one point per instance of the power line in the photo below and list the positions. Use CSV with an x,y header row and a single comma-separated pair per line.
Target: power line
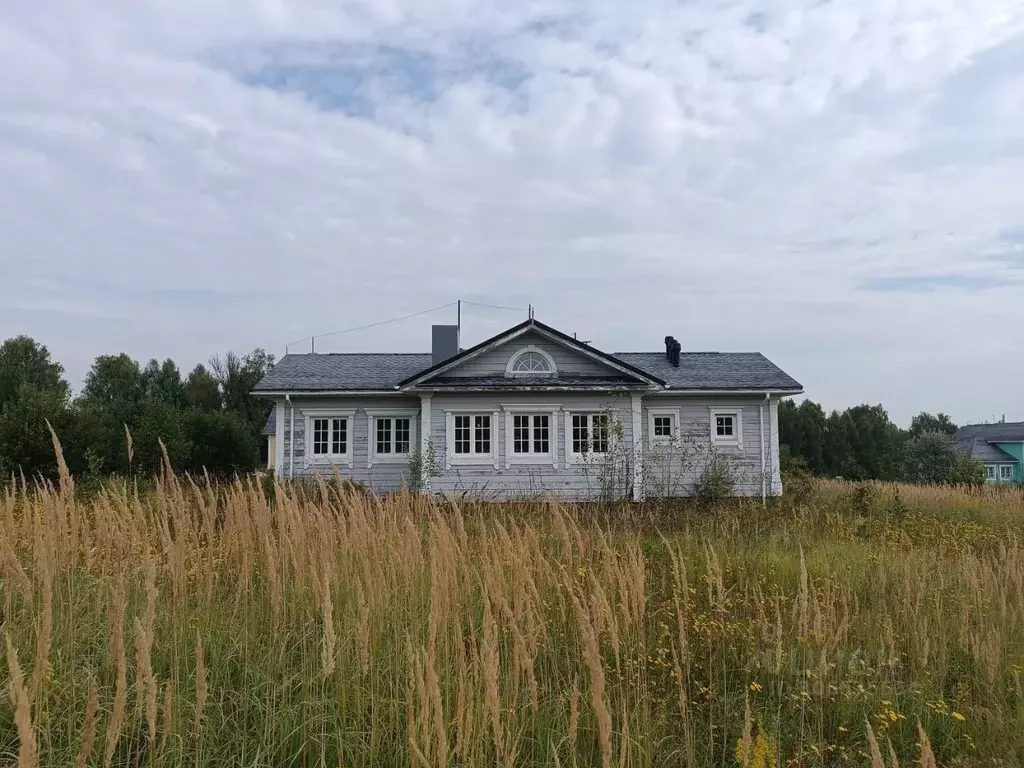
x,y
493,306
371,325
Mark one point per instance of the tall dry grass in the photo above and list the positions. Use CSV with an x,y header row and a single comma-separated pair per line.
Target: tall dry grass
x,y
200,625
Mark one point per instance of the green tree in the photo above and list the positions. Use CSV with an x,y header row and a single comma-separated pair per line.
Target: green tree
x,y
927,422
115,384
26,362
237,376
163,382
838,450
876,442
114,391
802,428
929,458
203,390
26,445
967,471
161,422
32,392
222,443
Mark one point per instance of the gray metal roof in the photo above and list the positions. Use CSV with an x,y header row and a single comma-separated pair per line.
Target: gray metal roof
x,y
383,371
342,372
714,370
984,451
977,440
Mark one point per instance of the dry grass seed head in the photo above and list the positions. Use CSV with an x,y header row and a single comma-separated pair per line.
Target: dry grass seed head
x,y
22,711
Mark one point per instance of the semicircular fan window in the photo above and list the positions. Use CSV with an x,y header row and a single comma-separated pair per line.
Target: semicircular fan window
x,y
531,363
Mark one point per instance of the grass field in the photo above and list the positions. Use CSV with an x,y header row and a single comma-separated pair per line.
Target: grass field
x,y
210,626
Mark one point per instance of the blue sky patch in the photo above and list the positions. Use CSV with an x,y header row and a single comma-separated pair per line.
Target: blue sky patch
x,y
355,78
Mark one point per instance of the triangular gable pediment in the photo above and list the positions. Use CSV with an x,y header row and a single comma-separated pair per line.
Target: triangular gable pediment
x,y
570,358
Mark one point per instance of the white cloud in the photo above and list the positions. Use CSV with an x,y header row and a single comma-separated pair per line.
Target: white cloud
x,y
185,178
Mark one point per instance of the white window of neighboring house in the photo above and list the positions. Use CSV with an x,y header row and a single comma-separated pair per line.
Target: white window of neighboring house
x,y
589,433
991,470
329,437
471,438
392,435
1006,472
531,361
662,424
727,426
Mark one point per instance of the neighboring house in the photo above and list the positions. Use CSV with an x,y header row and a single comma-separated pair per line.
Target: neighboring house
x,y
531,411
1000,447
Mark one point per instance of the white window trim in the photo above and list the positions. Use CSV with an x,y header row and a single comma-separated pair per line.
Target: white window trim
x,y
991,471
737,439
661,439
1002,468
469,459
372,457
330,458
511,373
551,457
571,457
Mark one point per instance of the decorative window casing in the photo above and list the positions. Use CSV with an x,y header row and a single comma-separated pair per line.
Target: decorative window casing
x,y
587,433
329,437
1005,472
727,426
531,361
471,437
531,434
391,436
662,425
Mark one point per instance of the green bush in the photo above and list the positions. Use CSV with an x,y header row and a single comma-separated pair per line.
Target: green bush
x,y
716,483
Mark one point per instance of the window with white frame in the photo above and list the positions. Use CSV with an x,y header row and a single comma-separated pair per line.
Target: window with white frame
x,y
531,361
726,426
531,434
472,434
1006,472
589,433
392,436
990,470
329,437
663,424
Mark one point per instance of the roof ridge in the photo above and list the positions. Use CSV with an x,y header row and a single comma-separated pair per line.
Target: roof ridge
x,y
691,352
339,354
994,424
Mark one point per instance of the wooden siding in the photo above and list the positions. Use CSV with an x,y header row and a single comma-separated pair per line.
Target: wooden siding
x,y
495,361
379,477
666,470
673,469
584,480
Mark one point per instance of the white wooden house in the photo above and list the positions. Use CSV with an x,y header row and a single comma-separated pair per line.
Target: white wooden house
x,y
530,412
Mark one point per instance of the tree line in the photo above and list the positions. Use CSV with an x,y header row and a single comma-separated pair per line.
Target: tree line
x,y
862,443
207,421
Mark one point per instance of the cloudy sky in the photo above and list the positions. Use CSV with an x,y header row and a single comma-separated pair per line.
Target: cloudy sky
x,y
838,184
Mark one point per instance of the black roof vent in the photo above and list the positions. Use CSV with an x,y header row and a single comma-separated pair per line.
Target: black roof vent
x,y
672,350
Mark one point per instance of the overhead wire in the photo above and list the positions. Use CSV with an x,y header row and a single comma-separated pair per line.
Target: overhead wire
x,y
493,306
404,317
372,325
